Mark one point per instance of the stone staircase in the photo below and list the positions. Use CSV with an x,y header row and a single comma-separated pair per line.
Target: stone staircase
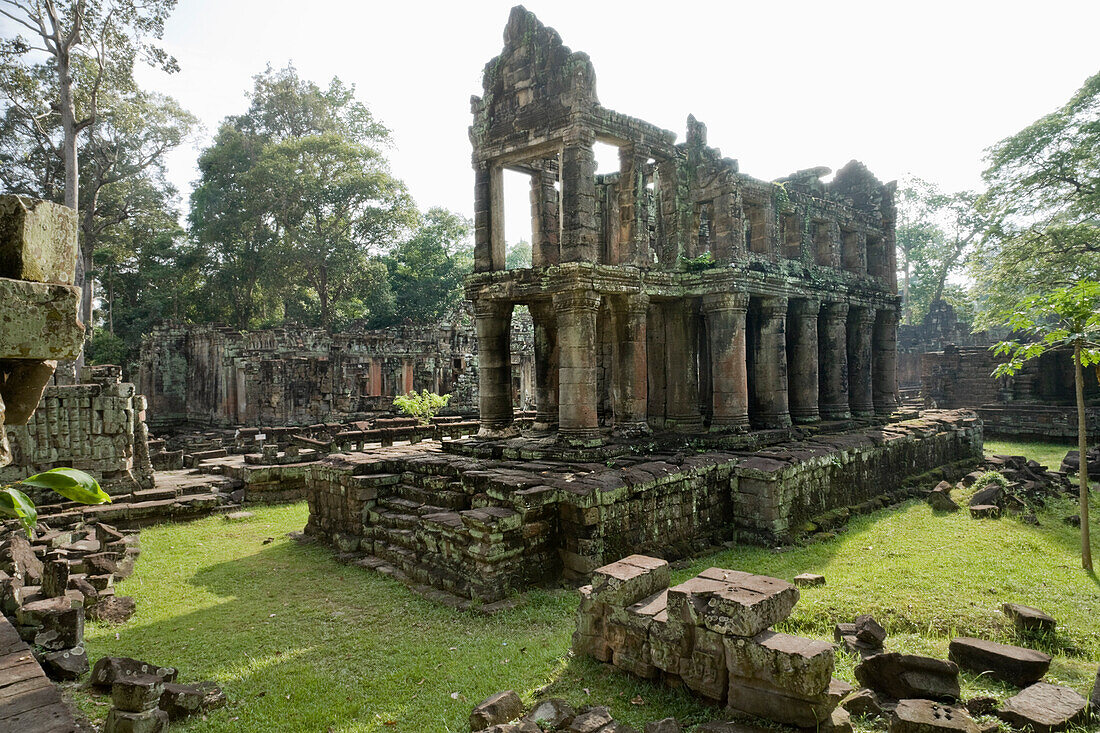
x,y
179,495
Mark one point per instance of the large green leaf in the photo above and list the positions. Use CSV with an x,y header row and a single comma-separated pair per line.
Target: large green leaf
x,y
71,483
14,503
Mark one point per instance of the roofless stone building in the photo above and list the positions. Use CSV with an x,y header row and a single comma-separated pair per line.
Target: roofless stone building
x,y
678,293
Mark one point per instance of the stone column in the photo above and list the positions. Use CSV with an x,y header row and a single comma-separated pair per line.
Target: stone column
x,y
630,384
884,367
681,369
576,316
860,399
578,199
725,314
770,365
633,231
832,349
483,245
546,366
802,359
545,224
493,320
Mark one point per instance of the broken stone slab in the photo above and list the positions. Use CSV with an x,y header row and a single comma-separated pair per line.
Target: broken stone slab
x,y
150,721
993,495
668,725
38,321
1014,664
181,701
985,511
113,609
523,726
239,516
1029,618
940,499
66,664
552,714
763,700
57,623
502,707
108,670
629,580
926,716
38,240
903,676
869,631
865,703
591,720
22,390
19,559
137,693
734,603
809,580
1044,708
801,666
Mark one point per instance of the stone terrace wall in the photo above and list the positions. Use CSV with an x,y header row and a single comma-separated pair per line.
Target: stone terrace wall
x,y
98,427
478,528
213,376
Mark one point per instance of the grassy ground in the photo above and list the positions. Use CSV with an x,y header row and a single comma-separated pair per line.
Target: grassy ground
x,y
301,643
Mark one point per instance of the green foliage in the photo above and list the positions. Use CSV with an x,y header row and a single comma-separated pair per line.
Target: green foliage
x,y
1043,203
518,256
70,483
703,262
1066,317
423,406
107,348
989,478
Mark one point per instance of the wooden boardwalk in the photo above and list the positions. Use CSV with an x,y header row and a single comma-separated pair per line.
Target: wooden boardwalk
x,y
29,701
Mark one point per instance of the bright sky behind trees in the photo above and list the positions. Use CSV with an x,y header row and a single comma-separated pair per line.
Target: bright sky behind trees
x,y
918,88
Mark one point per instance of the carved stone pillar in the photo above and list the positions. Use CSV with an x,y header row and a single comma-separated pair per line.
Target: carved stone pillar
x,y
802,360
770,365
884,367
546,366
860,397
578,199
483,245
576,316
633,229
630,381
493,320
545,223
681,369
832,349
725,314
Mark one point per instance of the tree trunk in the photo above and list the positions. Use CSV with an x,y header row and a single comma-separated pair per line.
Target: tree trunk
x,y
1082,447
322,293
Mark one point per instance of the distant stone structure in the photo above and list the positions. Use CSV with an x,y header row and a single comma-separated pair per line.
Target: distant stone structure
x,y
940,328
677,293
213,376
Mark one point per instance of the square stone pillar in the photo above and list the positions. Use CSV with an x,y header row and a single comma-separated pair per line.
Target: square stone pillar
x,y
802,359
630,386
545,221
546,366
483,235
579,235
682,412
633,229
832,349
725,316
576,310
884,366
770,365
860,396
493,321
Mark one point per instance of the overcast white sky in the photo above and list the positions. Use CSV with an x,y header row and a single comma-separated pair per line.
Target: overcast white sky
x,y
908,88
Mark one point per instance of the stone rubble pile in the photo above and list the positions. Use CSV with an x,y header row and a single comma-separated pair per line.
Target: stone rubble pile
x,y
1029,485
50,585
144,697
712,634
1072,462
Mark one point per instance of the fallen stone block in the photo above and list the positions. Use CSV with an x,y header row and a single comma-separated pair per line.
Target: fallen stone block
x,y
181,701
58,623
552,714
754,697
940,499
629,580
802,666
108,670
591,720
809,580
502,707
38,320
1028,618
668,725
743,604
870,631
926,716
1044,708
64,665
149,721
903,676
38,241
113,609
137,693
985,511
1014,664
864,703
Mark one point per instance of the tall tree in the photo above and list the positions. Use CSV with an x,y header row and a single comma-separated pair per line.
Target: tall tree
x,y
426,270
1068,318
110,34
297,189
1044,206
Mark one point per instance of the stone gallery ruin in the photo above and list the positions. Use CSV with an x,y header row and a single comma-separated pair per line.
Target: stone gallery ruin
x,y
714,356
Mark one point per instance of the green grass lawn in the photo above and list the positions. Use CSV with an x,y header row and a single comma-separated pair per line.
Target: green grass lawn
x,y
302,643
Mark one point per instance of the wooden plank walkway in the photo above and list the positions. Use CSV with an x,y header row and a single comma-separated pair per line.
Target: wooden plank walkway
x,y
29,701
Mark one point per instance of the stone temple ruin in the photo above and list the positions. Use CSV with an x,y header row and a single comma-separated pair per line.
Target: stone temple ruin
x,y
714,356
678,293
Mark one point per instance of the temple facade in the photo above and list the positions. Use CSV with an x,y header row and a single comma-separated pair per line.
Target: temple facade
x,y
676,293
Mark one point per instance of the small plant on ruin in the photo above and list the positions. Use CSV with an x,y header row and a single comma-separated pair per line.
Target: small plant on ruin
x,y
988,478
70,483
704,261
423,406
